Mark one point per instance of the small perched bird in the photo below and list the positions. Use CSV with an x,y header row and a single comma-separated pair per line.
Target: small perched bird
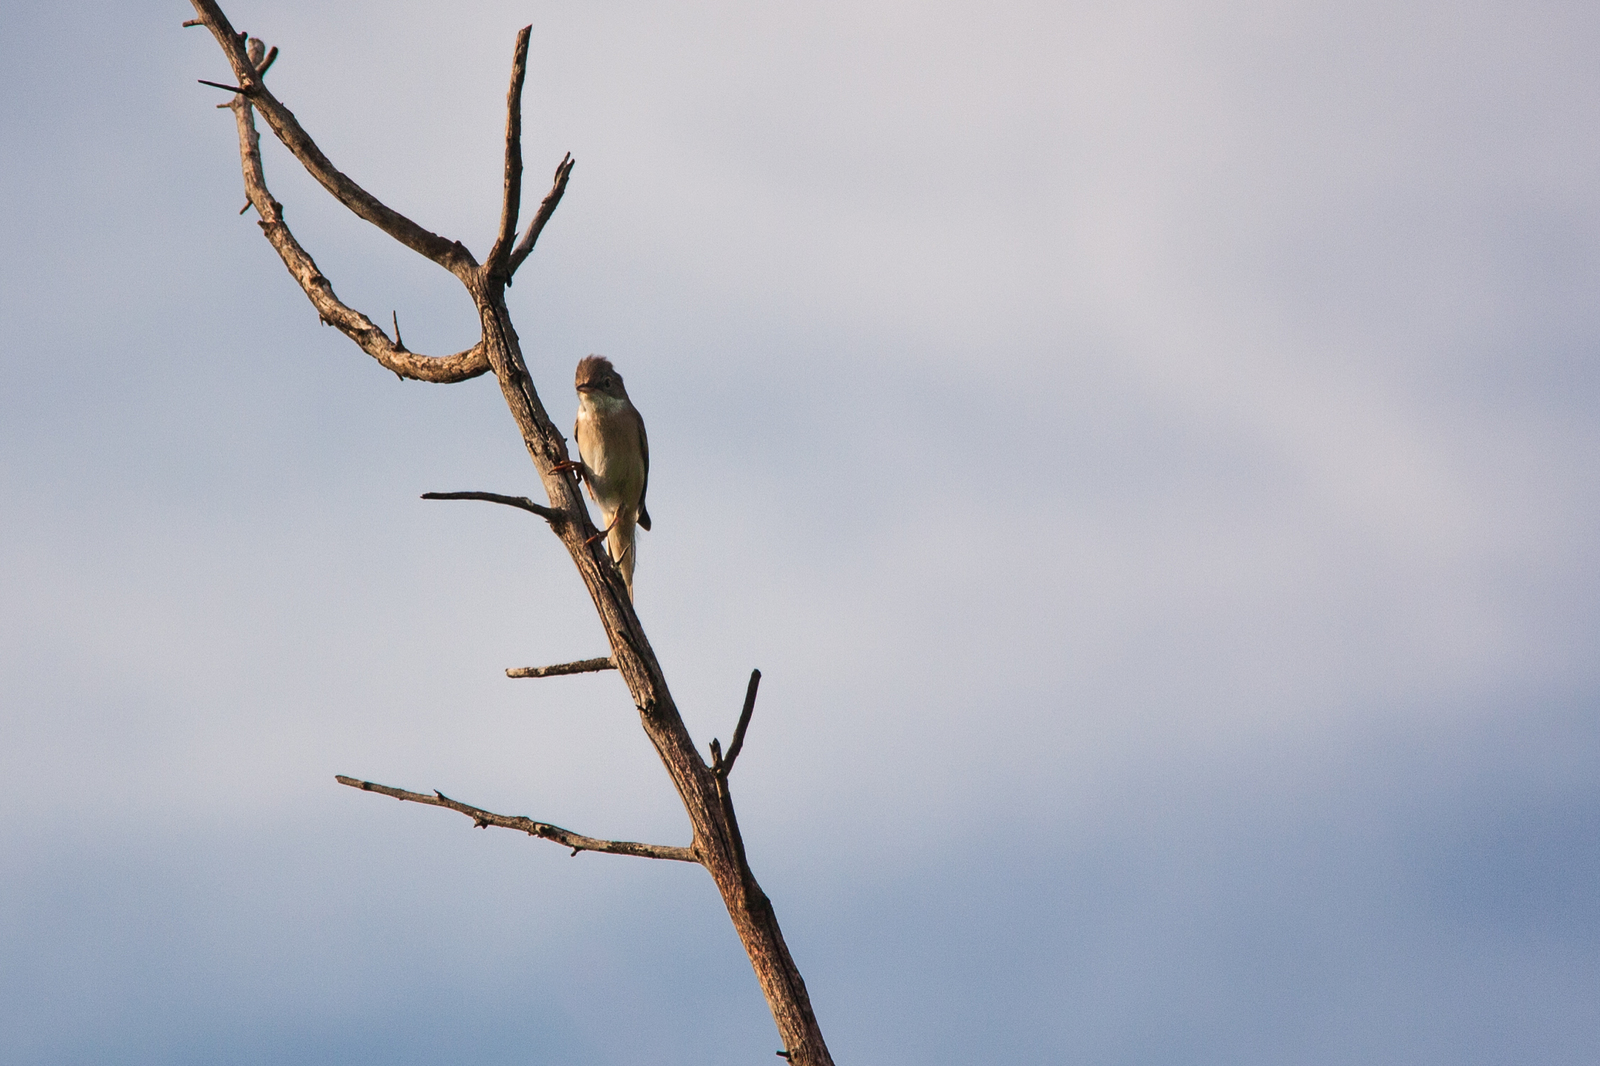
x,y
613,457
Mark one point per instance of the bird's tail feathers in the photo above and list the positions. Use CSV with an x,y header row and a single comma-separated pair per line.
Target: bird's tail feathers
x,y
621,547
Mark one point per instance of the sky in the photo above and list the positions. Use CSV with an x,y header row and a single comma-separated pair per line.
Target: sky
x,y
1149,450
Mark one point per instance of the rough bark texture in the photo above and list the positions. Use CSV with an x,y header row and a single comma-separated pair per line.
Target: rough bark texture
x,y
703,790
582,666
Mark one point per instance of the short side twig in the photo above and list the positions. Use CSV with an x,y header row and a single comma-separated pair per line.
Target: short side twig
x,y
547,207
243,90
549,514
543,830
582,666
725,764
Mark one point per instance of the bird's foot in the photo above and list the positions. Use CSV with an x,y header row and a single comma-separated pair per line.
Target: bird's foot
x,y
600,534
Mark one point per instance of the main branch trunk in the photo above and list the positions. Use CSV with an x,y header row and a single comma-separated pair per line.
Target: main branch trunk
x,y
716,832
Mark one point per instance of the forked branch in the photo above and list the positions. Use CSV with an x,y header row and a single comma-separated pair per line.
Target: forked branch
x,y
496,263
451,255
543,830
333,311
503,260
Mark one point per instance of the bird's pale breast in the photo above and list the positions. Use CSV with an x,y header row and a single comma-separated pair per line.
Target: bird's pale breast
x,y
608,444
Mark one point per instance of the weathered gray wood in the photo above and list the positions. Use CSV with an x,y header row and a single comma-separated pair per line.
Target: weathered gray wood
x,y
582,666
717,844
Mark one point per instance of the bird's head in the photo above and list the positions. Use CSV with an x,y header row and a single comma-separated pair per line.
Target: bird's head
x,y
596,376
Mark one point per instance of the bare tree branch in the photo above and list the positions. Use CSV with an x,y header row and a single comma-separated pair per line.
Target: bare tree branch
x,y
242,90
543,830
352,323
582,666
725,765
717,843
451,255
521,502
547,207
511,201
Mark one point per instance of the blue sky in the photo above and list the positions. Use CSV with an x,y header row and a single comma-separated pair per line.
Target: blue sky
x,y
1149,449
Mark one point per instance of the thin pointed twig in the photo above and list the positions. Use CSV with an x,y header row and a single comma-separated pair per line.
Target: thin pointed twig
x,y
242,90
744,723
582,666
398,343
722,766
543,830
547,207
259,56
495,263
522,502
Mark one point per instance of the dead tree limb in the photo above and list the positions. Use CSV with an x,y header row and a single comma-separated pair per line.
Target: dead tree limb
x,y
717,844
333,311
724,766
582,666
547,207
543,830
451,255
495,266
520,502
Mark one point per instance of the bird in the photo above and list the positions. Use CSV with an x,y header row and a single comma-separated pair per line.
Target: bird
x,y
613,458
